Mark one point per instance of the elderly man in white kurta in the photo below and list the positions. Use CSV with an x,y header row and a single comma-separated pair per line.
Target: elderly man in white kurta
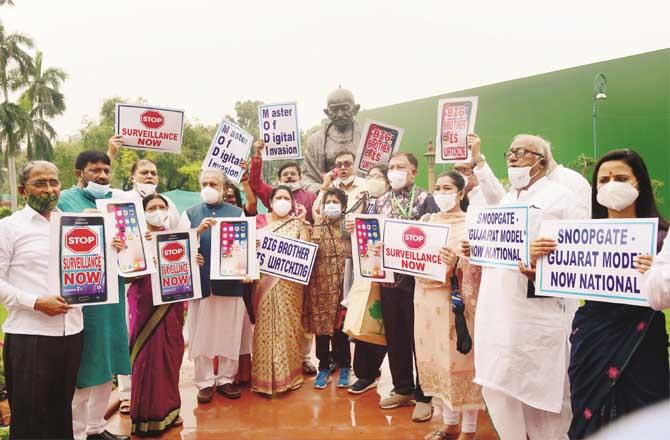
x,y
521,342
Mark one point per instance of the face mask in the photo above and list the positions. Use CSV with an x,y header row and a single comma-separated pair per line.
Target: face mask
x,y
43,203
332,210
145,189
617,195
281,207
346,181
96,190
397,178
445,201
519,177
376,187
156,218
294,186
210,195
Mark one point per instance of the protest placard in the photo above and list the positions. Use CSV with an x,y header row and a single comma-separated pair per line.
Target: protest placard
x,y
233,249
278,125
82,262
498,236
229,148
150,128
178,275
378,142
286,258
366,247
413,248
593,259
455,120
127,222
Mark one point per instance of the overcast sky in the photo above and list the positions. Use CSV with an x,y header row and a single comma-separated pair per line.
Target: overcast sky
x,y
202,56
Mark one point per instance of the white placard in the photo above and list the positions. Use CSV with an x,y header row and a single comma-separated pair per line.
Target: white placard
x,y
278,125
413,248
233,254
287,258
367,248
150,128
498,236
82,262
178,275
378,142
127,221
229,148
455,120
593,259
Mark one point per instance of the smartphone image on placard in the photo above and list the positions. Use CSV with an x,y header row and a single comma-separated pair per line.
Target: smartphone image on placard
x,y
368,236
234,240
82,258
174,271
127,229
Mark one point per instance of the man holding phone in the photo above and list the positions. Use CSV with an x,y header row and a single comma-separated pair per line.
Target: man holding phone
x,y
105,350
344,177
43,334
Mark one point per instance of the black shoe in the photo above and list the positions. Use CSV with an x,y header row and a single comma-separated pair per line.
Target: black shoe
x,y
106,435
362,385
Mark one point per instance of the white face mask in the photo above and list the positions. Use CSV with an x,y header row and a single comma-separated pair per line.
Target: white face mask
x,y
293,185
281,207
96,190
445,201
376,187
145,189
519,177
397,178
332,210
346,181
210,195
617,195
157,218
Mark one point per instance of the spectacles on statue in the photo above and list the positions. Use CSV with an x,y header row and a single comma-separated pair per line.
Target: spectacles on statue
x,y
43,183
520,153
345,164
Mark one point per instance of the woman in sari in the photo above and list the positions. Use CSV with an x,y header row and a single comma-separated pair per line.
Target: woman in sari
x,y
277,305
444,317
322,310
619,354
156,345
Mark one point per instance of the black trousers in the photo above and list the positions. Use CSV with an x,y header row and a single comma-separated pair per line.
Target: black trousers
x,y
341,350
368,360
41,373
398,315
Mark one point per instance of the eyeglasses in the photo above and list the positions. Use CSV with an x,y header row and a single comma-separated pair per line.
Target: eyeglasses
x,y
346,164
43,183
520,153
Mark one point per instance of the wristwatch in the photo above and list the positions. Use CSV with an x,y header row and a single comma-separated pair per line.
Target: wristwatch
x,y
479,160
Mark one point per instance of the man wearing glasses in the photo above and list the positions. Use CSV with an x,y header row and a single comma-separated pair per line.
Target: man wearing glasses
x,y
43,334
344,178
341,133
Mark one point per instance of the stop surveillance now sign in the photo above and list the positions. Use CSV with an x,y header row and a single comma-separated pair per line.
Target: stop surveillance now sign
x,y
81,240
150,128
413,248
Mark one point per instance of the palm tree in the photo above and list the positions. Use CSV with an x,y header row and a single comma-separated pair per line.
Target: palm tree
x,y
7,2
42,99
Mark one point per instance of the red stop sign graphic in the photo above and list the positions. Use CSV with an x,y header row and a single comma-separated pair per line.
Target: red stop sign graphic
x,y
414,237
81,240
173,251
152,119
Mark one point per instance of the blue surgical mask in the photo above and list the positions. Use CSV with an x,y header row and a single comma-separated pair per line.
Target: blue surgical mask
x,y
96,190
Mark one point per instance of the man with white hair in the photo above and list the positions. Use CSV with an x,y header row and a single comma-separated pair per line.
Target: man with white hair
x,y
215,322
521,341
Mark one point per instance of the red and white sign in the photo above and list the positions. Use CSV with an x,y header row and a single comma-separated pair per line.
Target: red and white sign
x,y
81,240
150,128
455,120
413,248
378,142
174,251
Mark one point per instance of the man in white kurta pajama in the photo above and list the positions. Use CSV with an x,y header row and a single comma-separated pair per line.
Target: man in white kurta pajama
x,y
521,343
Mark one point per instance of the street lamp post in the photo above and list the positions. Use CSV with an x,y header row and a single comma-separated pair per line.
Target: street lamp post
x,y
430,158
599,94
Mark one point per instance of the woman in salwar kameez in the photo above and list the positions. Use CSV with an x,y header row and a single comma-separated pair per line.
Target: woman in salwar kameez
x,y
447,374
277,305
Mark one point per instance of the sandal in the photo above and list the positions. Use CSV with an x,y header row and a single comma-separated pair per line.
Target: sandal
x,y
177,422
437,435
124,408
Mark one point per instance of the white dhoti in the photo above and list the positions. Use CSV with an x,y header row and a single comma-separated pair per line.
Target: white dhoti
x,y
216,327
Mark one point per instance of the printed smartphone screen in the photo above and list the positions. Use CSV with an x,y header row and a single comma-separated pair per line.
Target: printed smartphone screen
x,y
368,236
82,259
127,229
175,274
234,239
